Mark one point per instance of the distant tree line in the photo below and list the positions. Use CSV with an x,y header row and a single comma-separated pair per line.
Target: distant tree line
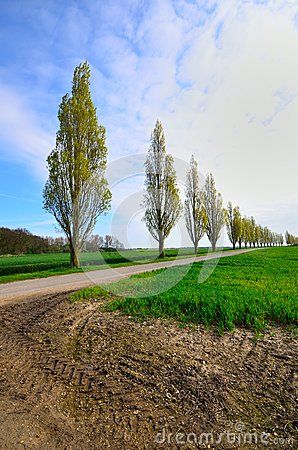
x,y
291,239
20,240
245,231
93,243
57,244
102,243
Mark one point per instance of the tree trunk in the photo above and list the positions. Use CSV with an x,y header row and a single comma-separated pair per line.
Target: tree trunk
x,y
196,247
161,247
74,257
240,243
234,245
213,246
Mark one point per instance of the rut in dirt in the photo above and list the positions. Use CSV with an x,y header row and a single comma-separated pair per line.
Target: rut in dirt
x,y
106,380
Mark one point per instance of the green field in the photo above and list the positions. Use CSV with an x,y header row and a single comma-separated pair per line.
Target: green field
x,y
23,267
251,290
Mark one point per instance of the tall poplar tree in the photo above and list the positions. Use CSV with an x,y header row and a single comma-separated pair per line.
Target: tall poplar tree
x,y
194,211
245,230
251,232
214,210
77,192
234,224
161,199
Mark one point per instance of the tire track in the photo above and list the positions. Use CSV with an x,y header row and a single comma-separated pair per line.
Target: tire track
x,y
19,345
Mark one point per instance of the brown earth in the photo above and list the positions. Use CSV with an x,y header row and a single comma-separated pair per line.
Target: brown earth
x,y
75,377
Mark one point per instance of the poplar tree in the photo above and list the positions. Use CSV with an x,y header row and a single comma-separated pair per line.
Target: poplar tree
x,y
161,199
290,239
257,235
245,230
266,236
194,211
251,232
241,233
77,192
281,239
234,224
261,236
214,211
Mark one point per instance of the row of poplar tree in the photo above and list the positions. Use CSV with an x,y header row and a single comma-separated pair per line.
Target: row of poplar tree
x,y
291,239
77,192
203,206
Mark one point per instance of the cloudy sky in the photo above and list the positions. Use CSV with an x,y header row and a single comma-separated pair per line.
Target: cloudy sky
x,y
221,76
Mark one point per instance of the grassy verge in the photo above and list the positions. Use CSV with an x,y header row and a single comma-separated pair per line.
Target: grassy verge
x,y
251,290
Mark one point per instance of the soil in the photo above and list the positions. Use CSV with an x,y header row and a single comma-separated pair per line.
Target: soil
x,y
73,376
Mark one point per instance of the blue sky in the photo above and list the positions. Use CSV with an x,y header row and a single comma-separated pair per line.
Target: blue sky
x,y
222,77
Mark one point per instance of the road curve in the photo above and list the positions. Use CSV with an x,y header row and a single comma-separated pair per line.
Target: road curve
x,y
20,290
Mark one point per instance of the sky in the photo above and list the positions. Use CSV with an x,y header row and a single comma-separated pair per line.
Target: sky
x,y
221,76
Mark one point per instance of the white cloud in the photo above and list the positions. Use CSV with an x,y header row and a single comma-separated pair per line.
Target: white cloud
x,y
245,131
25,139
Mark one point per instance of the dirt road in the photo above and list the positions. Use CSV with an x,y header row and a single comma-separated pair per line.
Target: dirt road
x,y
18,290
73,376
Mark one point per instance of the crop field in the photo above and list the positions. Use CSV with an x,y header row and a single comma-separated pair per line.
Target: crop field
x,y
251,290
43,265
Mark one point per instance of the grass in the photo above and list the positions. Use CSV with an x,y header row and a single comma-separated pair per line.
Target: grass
x,y
92,292
13,268
252,290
